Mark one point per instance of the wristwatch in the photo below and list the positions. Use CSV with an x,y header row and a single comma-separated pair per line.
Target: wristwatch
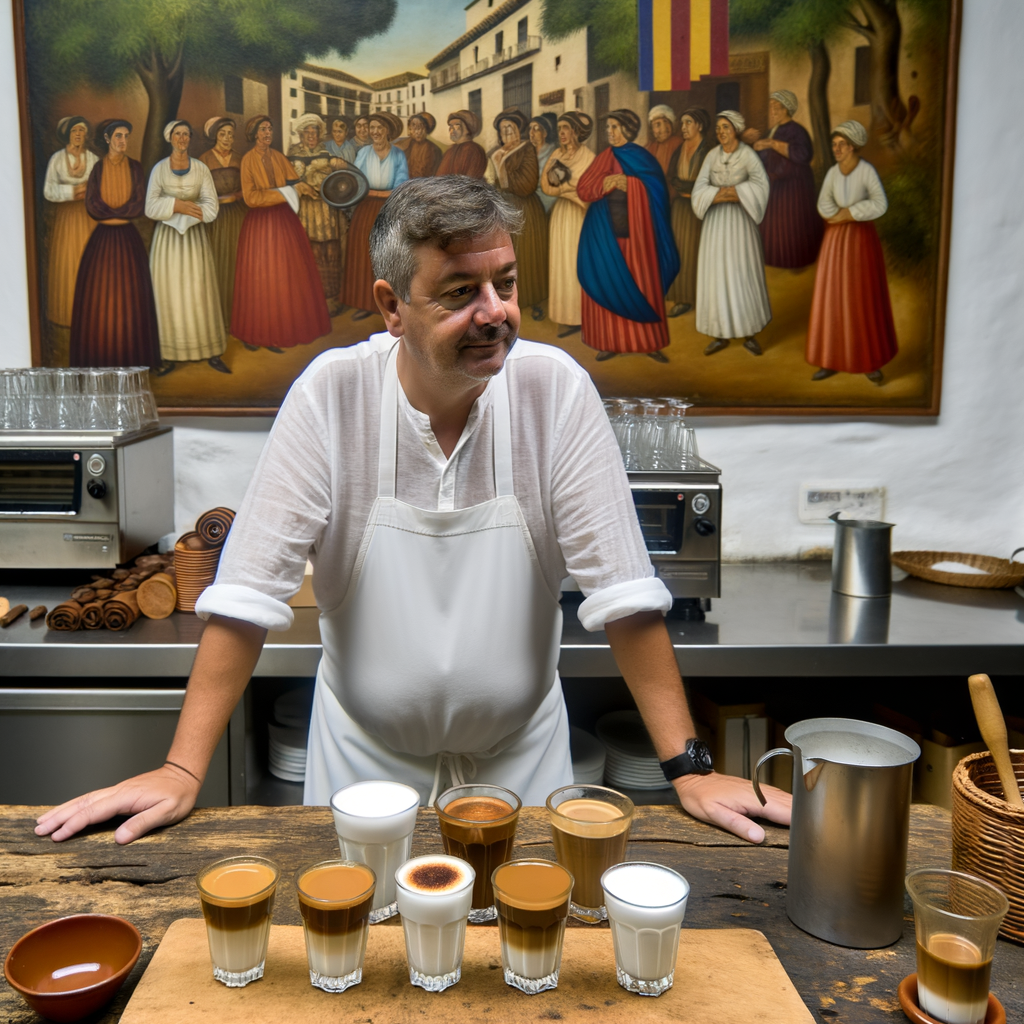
x,y
695,760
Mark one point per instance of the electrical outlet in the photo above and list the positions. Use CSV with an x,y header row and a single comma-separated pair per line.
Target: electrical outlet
x,y
819,501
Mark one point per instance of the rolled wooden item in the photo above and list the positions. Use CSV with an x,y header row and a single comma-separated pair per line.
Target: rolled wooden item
x,y
213,526
92,615
37,613
120,574
191,541
121,611
993,732
83,595
5,606
102,583
103,595
129,584
157,596
15,613
65,617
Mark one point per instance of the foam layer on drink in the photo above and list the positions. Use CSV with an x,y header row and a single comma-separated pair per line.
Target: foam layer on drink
x,y
645,885
592,818
227,885
952,979
375,812
435,890
479,808
432,876
335,886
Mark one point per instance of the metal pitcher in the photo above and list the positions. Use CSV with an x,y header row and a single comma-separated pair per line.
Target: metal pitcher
x,y
848,838
861,557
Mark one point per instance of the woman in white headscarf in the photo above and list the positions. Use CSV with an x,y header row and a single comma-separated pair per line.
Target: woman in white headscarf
x,y
182,199
851,328
730,196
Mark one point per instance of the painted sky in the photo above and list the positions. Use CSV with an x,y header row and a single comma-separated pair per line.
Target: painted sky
x,y
421,29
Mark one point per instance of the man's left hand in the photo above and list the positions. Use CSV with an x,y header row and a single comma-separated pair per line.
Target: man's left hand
x,y
726,800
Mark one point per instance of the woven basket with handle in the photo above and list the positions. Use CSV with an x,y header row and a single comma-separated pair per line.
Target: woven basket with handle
x,y
999,572
988,834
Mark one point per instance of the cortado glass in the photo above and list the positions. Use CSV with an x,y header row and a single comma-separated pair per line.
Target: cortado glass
x,y
590,828
478,825
532,897
646,904
237,897
334,899
375,821
434,897
957,918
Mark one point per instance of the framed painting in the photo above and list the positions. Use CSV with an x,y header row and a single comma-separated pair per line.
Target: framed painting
x,y
745,203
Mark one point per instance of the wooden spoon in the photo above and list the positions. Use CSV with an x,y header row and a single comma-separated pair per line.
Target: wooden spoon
x,y
993,732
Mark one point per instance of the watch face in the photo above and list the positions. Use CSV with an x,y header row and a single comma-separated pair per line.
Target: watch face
x,y
700,754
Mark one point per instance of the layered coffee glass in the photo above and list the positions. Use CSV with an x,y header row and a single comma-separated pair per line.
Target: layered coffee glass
x,y
478,825
435,894
532,899
237,897
646,904
590,829
334,900
375,822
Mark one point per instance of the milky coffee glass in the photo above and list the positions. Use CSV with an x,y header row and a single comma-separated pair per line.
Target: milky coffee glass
x,y
646,903
435,894
375,821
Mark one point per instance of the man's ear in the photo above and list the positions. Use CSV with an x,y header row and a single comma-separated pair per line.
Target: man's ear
x,y
387,303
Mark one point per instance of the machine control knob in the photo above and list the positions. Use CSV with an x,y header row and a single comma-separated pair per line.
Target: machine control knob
x,y
704,527
96,465
701,503
97,488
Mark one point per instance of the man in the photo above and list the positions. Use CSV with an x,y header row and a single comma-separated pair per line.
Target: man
x,y
422,153
662,138
464,156
443,483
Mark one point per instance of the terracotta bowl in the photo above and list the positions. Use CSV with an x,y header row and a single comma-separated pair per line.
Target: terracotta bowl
x,y
69,968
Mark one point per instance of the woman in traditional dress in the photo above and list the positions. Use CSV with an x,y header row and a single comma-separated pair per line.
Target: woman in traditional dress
x,y
544,139
851,328
339,145
627,256
683,168
421,153
559,178
66,176
463,156
385,168
361,131
791,229
730,196
182,198
279,301
513,169
225,166
113,322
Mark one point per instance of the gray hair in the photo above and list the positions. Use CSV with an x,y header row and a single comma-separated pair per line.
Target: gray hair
x,y
439,210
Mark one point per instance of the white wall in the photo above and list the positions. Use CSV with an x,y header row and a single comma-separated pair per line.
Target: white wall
x,y
954,483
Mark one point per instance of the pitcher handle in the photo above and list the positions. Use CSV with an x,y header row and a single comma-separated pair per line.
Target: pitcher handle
x,y
757,770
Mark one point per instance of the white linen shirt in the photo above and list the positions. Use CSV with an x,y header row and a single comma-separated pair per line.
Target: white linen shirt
x,y
316,481
861,192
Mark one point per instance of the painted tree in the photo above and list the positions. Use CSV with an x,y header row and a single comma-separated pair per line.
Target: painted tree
x,y
106,43
612,25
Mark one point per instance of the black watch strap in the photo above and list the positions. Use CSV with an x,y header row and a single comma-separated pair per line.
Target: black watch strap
x,y
695,760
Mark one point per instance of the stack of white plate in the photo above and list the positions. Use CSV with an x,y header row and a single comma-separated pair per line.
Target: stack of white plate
x,y
631,759
587,756
288,739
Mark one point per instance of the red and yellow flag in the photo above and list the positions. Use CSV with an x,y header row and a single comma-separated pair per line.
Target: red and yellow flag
x,y
680,40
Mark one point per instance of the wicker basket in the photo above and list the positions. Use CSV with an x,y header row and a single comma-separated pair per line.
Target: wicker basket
x,y
1001,572
988,834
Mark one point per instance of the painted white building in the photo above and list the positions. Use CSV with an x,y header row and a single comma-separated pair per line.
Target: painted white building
x,y
403,94
324,91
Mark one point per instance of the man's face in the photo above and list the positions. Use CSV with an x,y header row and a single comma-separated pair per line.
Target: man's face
x,y
338,131
119,140
841,148
311,136
724,131
378,133
616,136
362,129
661,129
417,129
265,133
462,318
456,131
226,137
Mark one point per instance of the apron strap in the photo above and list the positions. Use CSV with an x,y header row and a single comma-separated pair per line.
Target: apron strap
x,y
502,426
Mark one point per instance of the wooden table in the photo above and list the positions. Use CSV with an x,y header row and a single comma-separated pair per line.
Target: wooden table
x,y
151,882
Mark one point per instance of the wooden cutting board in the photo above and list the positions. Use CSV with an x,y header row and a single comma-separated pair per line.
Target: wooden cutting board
x,y
729,976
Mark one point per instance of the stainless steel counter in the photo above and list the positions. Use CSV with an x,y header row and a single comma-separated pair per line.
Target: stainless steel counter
x,y
773,619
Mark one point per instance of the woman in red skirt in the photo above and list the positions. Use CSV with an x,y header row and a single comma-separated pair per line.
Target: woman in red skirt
x,y
851,328
279,301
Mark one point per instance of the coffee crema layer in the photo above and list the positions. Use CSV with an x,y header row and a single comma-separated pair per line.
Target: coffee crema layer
x,y
433,877
481,831
229,884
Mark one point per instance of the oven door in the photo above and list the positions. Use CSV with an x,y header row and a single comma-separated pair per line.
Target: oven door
x,y
661,516
40,482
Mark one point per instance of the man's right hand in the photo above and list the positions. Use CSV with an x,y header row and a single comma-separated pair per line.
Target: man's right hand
x,y
156,798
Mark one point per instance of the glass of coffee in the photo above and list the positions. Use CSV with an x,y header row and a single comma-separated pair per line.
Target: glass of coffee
x,y
237,897
957,918
375,822
478,825
334,900
532,897
646,904
434,897
590,828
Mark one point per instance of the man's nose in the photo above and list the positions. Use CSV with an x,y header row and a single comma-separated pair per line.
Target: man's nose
x,y
489,307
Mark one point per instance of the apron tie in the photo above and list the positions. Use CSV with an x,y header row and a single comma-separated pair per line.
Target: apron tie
x,y
456,770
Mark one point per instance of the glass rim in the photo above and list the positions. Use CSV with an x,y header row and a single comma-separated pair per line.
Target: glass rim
x,y
590,786
340,862
517,804
469,883
535,862
645,864
976,880
377,782
238,859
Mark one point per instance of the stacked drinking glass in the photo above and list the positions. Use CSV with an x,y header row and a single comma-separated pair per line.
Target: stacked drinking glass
x,y
652,433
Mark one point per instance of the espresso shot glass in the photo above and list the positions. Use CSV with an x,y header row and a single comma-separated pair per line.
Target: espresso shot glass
x,y
237,897
478,825
532,899
590,829
435,893
335,897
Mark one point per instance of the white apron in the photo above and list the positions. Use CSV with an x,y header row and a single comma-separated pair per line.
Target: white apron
x,y
444,651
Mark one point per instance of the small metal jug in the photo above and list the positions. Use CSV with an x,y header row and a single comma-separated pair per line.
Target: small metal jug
x,y
848,837
861,565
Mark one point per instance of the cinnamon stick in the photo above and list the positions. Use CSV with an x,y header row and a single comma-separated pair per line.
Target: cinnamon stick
x,y
15,613
121,611
65,617
38,612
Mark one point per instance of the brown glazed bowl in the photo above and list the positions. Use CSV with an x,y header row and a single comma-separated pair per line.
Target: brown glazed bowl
x,y
69,968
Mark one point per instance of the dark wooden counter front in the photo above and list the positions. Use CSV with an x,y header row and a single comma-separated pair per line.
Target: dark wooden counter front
x,y
151,883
